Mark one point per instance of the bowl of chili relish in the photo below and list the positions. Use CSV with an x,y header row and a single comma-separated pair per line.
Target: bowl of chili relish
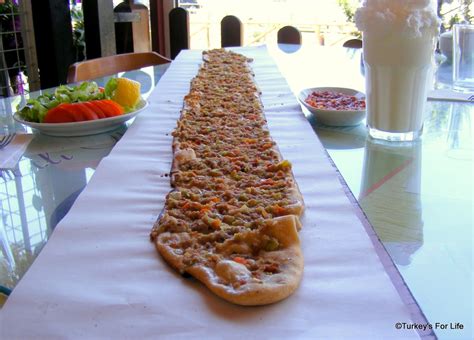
x,y
334,106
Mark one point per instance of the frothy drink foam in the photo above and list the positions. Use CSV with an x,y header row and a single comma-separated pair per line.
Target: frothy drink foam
x,y
398,41
412,18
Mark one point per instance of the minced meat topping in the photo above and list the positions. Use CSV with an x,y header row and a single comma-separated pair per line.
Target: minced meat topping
x,y
231,177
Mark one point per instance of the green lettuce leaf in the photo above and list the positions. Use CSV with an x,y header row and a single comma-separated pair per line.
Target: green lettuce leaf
x,y
36,108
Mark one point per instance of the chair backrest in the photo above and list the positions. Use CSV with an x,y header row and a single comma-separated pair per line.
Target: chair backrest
x,y
353,43
231,31
289,35
105,66
179,30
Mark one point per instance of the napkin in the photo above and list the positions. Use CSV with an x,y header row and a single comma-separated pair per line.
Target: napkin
x,y
451,95
12,149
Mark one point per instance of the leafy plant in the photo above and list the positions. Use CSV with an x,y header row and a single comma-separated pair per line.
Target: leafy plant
x,y
452,12
77,18
349,7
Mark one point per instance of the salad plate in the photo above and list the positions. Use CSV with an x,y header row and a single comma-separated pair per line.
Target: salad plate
x,y
84,128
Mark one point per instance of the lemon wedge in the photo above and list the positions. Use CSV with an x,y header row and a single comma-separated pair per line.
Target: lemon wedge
x,y
127,93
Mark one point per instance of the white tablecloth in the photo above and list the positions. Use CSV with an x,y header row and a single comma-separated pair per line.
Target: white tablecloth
x,y
100,276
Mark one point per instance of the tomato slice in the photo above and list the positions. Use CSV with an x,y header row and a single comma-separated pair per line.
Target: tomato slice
x,y
87,113
78,112
110,107
60,114
96,108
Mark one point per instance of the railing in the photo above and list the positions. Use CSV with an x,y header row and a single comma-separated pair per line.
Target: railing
x,y
17,49
132,27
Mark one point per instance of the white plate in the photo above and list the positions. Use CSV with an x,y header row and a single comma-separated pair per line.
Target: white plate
x,y
89,127
334,117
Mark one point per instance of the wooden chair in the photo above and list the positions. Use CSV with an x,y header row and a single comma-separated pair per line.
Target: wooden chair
x,y
105,66
179,30
231,31
289,35
289,39
353,43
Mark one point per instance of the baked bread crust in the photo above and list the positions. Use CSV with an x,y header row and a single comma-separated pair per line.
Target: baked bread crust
x,y
232,219
271,289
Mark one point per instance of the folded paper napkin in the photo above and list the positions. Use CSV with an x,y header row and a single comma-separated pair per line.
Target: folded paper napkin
x,y
12,148
451,95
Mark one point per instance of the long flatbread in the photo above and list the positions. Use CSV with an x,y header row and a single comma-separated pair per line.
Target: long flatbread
x,y
232,219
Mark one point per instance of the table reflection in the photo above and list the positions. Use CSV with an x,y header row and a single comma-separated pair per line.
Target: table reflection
x,y
390,196
460,132
39,192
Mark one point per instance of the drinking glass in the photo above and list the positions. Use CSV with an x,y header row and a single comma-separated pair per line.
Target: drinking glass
x,y
463,57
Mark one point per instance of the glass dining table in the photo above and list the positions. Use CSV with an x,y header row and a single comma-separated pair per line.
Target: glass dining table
x,y
39,190
417,196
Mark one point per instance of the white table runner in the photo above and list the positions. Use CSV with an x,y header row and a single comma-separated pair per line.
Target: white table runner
x,y
100,276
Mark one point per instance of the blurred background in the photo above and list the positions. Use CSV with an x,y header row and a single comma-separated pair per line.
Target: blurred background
x,y
321,22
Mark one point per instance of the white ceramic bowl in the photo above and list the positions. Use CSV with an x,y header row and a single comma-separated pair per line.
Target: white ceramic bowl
x,y
334,117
